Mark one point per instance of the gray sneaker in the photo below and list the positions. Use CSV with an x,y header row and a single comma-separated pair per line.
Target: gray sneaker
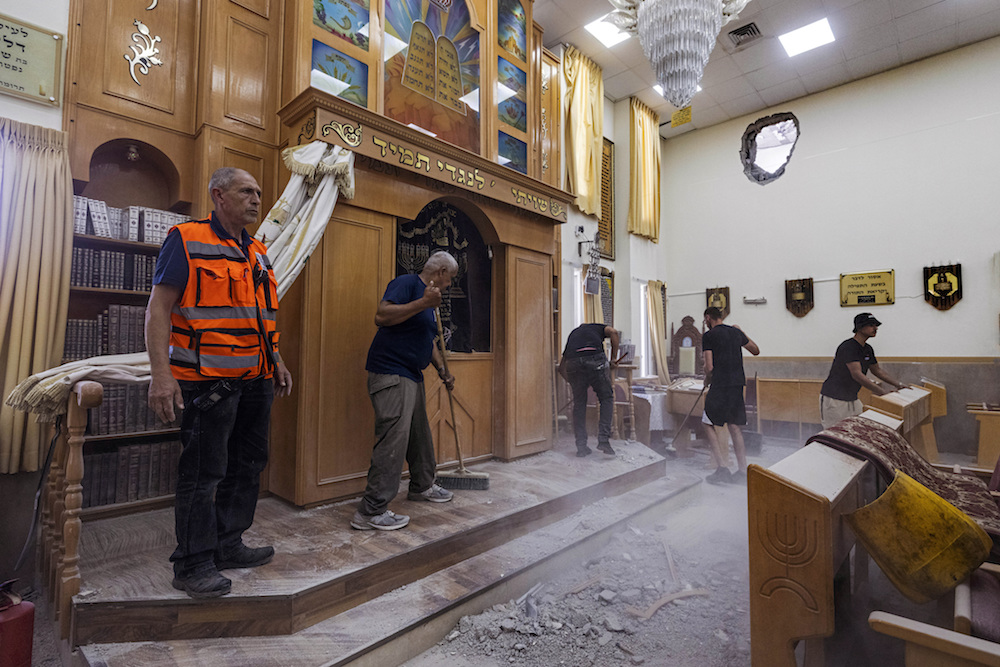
x,y
435,494
387,520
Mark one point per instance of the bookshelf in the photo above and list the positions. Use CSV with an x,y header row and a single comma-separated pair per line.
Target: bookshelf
x,y
130,458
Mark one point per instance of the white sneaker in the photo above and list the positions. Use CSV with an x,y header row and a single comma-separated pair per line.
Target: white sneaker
x,y
435,494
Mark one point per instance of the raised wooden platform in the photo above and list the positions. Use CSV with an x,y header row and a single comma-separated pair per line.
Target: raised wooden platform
x,y
322,566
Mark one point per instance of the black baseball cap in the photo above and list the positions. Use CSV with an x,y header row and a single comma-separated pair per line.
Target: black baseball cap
x,y
863,320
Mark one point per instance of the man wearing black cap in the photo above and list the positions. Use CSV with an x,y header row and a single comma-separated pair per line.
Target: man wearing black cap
x,y
855,357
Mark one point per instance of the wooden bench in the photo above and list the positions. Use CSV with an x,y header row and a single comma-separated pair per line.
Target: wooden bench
x,y
930,646
798,541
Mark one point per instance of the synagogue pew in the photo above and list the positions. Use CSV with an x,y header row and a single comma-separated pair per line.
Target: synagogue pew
x,y
798,541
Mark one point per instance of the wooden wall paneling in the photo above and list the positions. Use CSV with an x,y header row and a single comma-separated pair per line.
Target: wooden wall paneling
x,y
220,149
89,129
241,67
286,411
296,49
102,75
528,351
535,101
473,398
345,280
550,130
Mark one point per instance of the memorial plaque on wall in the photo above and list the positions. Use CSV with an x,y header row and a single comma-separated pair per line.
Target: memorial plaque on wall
x,y
718,297
870,288
943,285
799,296
431,54
30,61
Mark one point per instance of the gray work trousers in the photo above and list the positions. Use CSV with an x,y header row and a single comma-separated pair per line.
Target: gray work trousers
x,y
402,432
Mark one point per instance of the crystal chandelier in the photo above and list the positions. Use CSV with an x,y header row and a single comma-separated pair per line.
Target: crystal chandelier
x,y
677,36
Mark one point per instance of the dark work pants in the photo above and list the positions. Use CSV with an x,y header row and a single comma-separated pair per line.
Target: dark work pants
x,y
584,372
401,432
218,477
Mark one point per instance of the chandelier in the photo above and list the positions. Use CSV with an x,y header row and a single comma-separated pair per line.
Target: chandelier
x,y
677,36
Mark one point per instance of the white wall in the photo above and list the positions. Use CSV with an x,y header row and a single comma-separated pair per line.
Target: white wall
x,y
898,171
52,15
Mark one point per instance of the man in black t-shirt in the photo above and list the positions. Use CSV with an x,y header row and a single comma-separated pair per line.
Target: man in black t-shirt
x,y
722,347
585,365
838,399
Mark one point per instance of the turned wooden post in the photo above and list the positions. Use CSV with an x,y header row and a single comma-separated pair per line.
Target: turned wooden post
x,y
85,395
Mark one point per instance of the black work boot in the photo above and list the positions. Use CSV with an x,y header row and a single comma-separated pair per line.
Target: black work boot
x,y
205,582
243,556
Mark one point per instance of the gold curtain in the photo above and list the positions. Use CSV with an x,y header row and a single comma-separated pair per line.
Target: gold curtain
x,y
657,329
584,106
644,165
36,241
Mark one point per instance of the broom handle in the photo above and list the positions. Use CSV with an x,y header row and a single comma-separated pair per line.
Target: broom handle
x,y
451,401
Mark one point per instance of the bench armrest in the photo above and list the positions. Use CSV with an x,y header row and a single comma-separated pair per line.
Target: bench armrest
x,y
928,645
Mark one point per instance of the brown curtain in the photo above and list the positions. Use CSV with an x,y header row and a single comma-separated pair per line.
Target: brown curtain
x,y
36,241
584,104
644,165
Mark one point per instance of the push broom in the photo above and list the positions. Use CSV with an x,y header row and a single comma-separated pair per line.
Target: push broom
x,y
461,478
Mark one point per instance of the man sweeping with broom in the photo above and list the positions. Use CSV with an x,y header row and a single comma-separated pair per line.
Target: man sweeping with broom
x,y
401,350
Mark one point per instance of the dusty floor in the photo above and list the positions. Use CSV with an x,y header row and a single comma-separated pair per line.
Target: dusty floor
x,y
591,615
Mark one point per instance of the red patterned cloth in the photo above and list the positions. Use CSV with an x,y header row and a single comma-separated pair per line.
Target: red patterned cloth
x,y
888,451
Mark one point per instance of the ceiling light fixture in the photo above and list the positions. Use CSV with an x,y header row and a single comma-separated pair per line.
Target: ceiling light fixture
x,y
677,36
807,38
606,31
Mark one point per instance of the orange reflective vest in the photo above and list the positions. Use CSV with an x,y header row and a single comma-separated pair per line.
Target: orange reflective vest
x,y
224,323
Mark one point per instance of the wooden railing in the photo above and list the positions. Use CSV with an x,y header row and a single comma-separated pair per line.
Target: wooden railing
x,y
61,500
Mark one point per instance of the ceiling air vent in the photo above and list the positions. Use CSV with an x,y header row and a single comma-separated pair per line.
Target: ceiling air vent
x,y
744,34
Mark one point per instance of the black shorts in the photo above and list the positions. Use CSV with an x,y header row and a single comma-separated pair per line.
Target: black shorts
x,y
724,405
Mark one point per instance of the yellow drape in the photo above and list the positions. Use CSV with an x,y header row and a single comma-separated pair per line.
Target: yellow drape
x,y
593,309
36,241
584,106
657,329
644,165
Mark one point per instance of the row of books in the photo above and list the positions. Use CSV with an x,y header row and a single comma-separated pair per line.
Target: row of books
x,y
111,269
134,472
125,410
135,223
120,329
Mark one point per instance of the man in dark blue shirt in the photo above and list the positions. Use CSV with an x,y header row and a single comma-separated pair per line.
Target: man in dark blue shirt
x,y
401,350
722,347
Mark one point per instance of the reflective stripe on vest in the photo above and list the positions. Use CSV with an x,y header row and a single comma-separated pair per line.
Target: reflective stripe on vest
x,y
215,329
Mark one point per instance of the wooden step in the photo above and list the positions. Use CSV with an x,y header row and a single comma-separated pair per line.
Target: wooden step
x,y
404,622
322,567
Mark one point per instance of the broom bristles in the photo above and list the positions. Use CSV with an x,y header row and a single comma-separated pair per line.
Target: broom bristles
x,y
464,480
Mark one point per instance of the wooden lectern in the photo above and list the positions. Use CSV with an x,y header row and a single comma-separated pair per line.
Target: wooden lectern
x,y
913,406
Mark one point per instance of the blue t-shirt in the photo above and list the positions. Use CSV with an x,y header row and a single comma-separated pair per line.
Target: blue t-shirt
x,y
172,263
404,349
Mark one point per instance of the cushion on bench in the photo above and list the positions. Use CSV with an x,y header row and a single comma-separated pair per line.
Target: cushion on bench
x,y
888,451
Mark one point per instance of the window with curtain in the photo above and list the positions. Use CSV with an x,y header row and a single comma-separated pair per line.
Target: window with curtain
x,y
644,165
584,113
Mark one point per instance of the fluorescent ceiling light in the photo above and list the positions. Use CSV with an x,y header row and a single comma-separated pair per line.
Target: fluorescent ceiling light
x,y
608,34
659,89
807,38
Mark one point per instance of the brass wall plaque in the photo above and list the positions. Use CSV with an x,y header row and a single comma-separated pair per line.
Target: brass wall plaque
x,y
30,61
943,285
870,288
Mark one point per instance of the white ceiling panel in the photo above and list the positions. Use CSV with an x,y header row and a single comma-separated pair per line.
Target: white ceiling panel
x,y
872,36
790,90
